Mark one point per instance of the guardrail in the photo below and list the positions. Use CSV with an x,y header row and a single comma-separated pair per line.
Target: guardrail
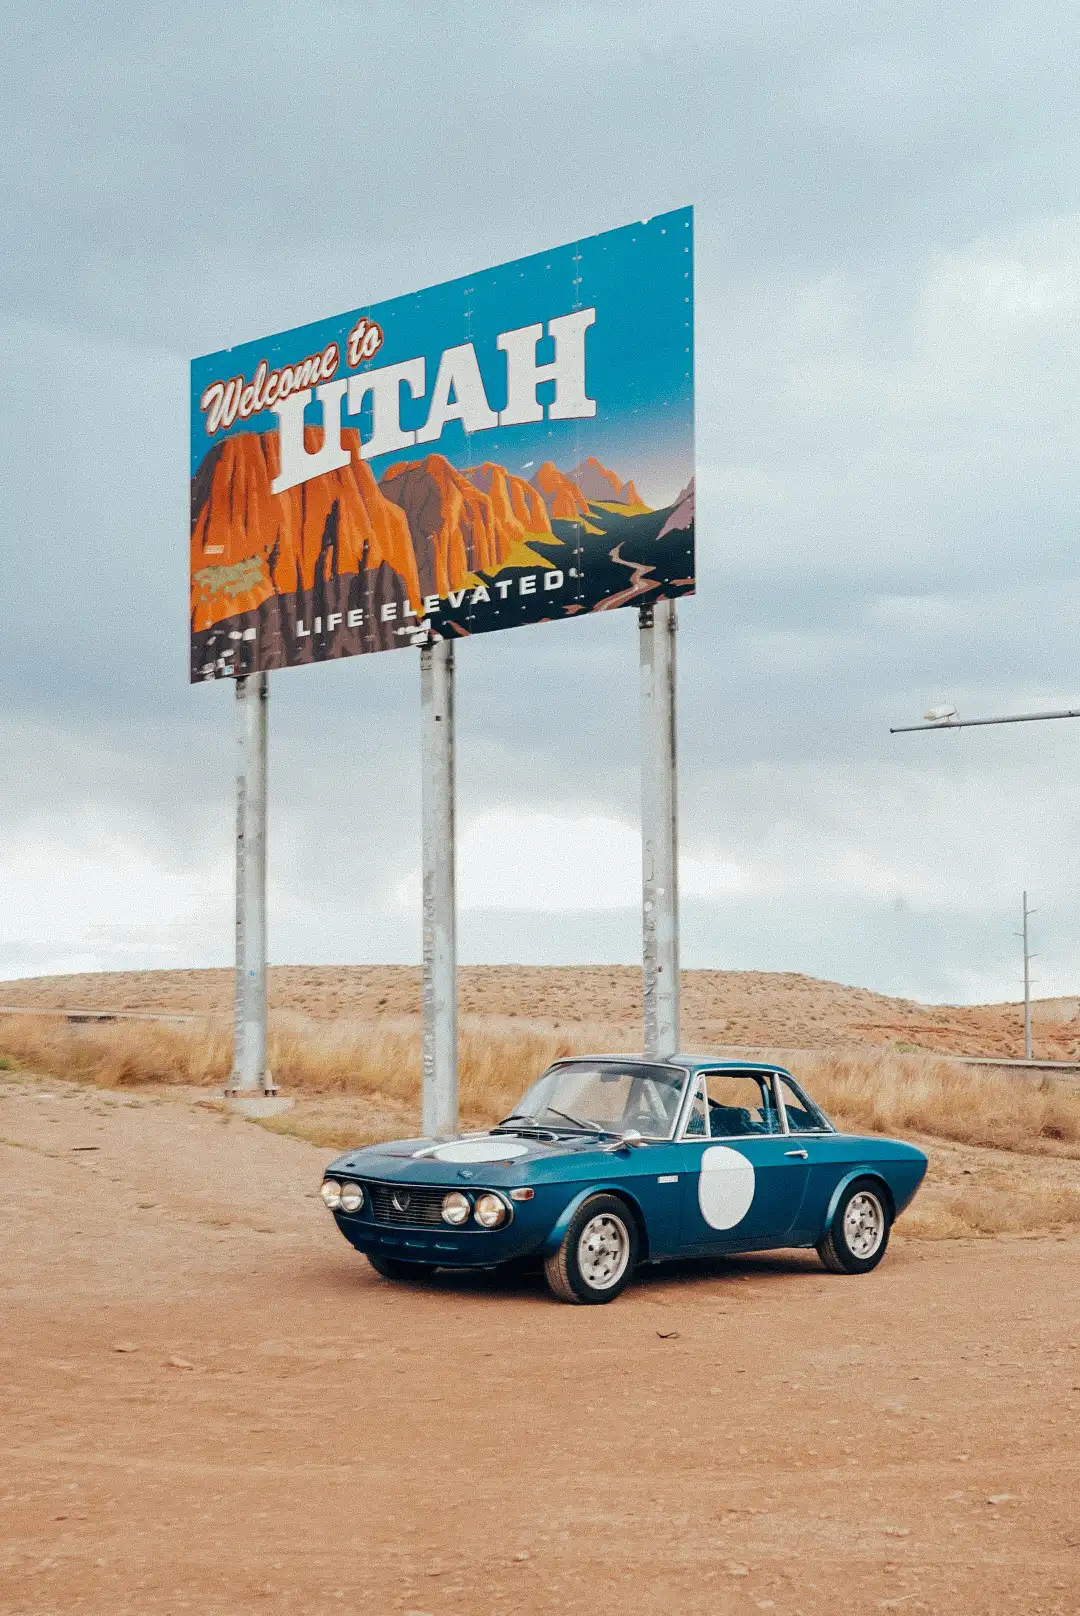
x,y
1065,1067
78,1015
1022,1065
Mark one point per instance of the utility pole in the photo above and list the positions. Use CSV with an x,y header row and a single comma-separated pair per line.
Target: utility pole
x,y
439,1057
1028,957
659,829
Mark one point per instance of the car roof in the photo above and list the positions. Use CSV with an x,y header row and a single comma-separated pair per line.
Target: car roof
x,y
691,1063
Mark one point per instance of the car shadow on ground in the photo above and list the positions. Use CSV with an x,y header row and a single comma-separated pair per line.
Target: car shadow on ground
x,y
525,1281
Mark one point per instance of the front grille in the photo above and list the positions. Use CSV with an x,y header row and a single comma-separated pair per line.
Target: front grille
x,y
417,1204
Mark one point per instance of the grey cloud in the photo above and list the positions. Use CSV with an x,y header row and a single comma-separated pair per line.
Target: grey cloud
x,y
887,348
280,162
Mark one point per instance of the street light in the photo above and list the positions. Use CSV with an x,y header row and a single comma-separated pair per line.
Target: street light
x,y
944,717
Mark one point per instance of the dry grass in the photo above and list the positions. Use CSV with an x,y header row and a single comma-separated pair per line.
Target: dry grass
x,y
877,1091
306,1056
993,1171
119,1054
336,1136
985,1210
896,1094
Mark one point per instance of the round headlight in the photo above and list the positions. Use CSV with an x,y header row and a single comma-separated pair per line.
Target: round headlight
x,y
456,1207
490,1211
352,1197
331,1193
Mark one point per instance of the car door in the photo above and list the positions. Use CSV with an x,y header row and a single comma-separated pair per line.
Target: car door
x,y
828,1156
744,1177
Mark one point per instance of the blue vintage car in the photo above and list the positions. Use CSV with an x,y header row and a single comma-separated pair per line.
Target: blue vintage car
x,y
610,1161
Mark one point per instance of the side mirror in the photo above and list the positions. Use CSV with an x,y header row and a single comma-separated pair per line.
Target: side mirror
x,y
629,1140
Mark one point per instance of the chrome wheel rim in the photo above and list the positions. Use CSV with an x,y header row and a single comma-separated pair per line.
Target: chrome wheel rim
x,y
603,1251
864,1225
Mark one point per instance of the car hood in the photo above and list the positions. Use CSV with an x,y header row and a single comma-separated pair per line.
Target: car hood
x,y
503,1158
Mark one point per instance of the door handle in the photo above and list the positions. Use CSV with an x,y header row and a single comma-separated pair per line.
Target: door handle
x,y
800,1153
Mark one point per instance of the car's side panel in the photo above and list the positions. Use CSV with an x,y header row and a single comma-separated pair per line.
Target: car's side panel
x,y
652,1175
562,1223
835,1159
741,1193
648,1177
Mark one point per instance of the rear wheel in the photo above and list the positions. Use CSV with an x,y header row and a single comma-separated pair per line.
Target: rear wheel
x,y
394,1268
598,1254
858,1233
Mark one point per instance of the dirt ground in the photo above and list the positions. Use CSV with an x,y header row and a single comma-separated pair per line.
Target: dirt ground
x,y
211,1404
763,1009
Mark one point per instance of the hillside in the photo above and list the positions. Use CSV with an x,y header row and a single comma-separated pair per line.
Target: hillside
x,y
720,1008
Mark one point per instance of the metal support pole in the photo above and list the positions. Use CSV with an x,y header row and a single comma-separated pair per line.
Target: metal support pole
x,y
1027,982
659,830
249,1073
439,1112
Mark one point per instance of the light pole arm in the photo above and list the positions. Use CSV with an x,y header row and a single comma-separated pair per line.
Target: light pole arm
x,y
975,723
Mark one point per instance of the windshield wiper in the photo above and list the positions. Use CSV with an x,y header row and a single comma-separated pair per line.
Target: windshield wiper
x,y
518,1116
588,1127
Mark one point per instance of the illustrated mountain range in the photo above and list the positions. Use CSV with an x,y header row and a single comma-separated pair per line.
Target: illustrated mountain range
x,y
279,569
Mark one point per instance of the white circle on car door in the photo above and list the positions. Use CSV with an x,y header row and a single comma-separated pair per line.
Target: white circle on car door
x,y
726,1186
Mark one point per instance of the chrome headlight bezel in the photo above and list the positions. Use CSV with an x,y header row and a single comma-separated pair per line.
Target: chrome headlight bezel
x,y
462,1208
495,1210
331,1194
352,1196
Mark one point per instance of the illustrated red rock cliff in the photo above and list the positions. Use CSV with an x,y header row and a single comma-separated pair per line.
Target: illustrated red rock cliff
x,y
517,504
248,545
597,481
343,564
456,527
562,496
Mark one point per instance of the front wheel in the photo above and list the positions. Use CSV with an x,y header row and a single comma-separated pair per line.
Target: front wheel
x,y
598,1254
858,1233
394,1268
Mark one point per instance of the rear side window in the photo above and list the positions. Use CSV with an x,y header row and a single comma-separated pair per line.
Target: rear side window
x,y
802,1115
740,1103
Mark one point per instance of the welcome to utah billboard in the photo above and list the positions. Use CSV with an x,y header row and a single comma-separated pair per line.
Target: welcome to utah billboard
x,y
513,447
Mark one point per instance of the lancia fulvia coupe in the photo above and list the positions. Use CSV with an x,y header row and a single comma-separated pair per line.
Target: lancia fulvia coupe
x,y
610,1162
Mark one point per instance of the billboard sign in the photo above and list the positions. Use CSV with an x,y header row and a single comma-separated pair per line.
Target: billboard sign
x,y
516,446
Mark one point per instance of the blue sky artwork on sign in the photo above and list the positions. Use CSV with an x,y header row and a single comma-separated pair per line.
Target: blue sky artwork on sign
x,y
512,447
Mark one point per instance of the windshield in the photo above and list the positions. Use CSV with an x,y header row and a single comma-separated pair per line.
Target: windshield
x,y
609,1095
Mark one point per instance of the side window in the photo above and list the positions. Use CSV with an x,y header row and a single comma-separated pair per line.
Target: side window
x,y
696,1126
802,1116
740,1103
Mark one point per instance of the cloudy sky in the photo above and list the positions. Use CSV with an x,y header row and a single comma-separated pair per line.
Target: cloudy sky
x,y
888,341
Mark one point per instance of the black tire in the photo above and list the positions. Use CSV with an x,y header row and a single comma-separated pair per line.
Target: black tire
x,y
603,1235
394,1268
840,1246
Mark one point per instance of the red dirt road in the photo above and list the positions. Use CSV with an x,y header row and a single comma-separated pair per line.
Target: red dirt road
x,y
288,1433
